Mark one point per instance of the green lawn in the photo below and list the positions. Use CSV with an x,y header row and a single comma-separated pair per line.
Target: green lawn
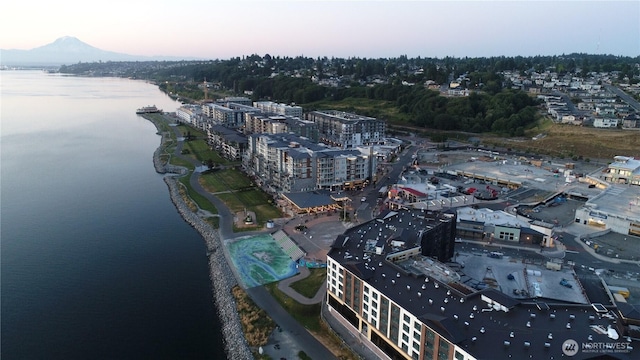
x,y
224,180
307,315
202,201
310,285
253,200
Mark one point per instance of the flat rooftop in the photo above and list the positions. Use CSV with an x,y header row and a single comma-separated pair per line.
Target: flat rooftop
x,y
487,323
624,201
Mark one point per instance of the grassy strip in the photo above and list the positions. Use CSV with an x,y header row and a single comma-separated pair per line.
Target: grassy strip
x,y
200,200
309,317
310,285
253,200
224,180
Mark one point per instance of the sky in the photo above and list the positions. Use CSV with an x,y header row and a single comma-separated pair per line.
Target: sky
x,y
211,29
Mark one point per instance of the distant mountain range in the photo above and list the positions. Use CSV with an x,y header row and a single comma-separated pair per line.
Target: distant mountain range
x,y
69,50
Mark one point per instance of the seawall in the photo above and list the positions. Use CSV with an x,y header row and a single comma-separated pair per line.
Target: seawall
x,y
220,273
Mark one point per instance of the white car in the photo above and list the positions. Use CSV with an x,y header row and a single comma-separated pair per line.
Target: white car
x,y
363,199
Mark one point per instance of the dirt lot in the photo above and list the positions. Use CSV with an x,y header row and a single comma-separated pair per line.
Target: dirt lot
x,y
568,141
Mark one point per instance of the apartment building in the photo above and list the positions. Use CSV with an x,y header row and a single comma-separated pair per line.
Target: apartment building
x,y
347,130
260,123
290,163
270,107
230,115
230,143
387,287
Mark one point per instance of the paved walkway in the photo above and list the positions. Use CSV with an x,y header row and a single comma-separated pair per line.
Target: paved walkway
x,y
284,286
292,336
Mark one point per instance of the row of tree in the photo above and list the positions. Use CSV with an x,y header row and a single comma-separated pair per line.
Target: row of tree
x,y
490,107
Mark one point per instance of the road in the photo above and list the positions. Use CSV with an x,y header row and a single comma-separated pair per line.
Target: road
x,y
624,96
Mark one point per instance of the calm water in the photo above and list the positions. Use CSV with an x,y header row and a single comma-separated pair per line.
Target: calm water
x,y
95,260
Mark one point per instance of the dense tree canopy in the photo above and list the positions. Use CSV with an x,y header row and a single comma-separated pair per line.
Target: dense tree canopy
x,y
489,107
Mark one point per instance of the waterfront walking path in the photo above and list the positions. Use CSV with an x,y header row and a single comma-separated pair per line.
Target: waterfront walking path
x,y
292,337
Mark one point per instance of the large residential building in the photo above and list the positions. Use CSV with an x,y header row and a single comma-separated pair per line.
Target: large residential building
x,y
389,284
289,163
230,115
259,123
346,130
230,143
270,107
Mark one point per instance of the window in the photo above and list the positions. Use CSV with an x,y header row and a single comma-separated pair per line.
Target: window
x,y
416,335
458,356
407,318
405,337
405,328
443,350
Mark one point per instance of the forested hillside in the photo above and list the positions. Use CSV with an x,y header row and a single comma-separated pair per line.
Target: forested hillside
x,y
399,83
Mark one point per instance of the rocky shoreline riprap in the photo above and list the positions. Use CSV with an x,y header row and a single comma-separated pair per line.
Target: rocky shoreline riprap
x,y
220,273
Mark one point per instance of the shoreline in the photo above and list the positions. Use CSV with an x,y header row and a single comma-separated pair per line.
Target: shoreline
x,y
221,275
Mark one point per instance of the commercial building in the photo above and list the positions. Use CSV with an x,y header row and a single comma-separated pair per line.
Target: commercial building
x,y
623,170
389,284
616,208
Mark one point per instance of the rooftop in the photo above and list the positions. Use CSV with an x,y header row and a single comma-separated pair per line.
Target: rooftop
x,y
488,323
623,201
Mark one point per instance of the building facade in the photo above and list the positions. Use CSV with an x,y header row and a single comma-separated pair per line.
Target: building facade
x,y
346,130
403,304
289,163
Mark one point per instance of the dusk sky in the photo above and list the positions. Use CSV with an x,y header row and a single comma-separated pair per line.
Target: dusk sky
x,y
223,29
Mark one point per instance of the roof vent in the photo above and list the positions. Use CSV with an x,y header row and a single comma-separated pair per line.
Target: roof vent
x,y
528,323
547,345
398,275
448,292
419,294
590,337
455,316
461,300
466,323
533,316
442,308
471,316
511,334
553,316
568,325
436,285
430,302
408,287
473,339
475,308
424,286
506,343
591,317
384,275
572,317
482,330
393,281
550,336
527,344
446,300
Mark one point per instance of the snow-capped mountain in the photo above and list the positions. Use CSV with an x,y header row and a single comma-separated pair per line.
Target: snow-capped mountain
x,y
66,50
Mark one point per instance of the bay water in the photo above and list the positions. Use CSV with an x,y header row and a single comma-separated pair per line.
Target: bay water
x,y
96,263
